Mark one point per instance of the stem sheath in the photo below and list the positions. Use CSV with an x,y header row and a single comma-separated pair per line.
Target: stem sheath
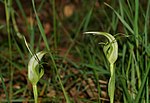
x,y
35,93
111,85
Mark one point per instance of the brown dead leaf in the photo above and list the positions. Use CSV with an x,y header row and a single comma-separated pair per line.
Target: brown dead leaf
x,y
69,10
16,86
47,28
30,20
92,91
73,91
52,92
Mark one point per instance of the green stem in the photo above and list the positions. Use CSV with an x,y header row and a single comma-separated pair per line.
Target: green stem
x,y
8,4
54,24
111,85
35,93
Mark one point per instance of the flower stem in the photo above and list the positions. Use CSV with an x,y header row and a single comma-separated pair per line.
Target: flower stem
x,y
111,85
35,93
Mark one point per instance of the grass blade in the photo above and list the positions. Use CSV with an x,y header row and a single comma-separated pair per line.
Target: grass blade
x,y
146,43
142,85
47,46
4,87
121,19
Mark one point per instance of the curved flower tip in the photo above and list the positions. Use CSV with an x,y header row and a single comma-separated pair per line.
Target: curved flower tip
x,y
33,68
111,49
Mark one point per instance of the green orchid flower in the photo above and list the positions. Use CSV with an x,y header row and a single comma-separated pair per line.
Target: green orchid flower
x,y
111,53
35,72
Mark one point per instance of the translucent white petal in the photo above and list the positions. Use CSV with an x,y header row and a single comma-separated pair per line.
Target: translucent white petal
x,y
33,64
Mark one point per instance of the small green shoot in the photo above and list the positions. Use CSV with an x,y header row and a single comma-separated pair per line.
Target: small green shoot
x,y
111,53
35,72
